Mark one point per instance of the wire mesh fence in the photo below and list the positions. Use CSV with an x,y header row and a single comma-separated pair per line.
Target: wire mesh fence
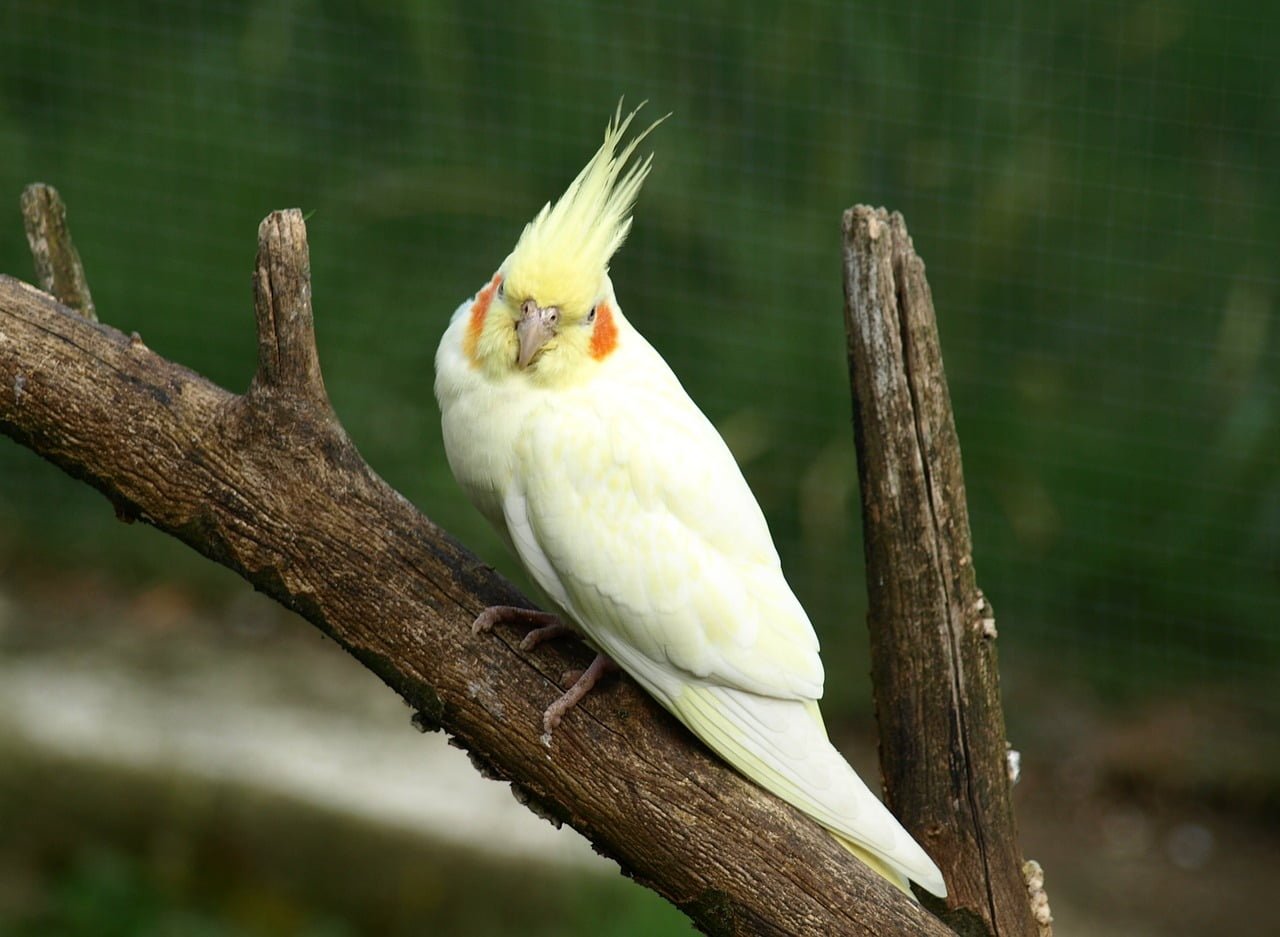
x,y
1095,190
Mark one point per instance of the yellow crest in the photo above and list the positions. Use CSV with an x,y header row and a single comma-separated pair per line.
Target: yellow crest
x,y
564,252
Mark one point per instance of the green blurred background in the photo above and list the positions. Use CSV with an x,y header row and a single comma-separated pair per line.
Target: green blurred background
x,y
1095,189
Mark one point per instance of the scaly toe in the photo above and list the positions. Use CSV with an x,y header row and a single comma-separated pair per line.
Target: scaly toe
x,y
556,629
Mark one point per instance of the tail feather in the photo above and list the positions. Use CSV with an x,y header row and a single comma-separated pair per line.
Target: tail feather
x,y
878,865
781,746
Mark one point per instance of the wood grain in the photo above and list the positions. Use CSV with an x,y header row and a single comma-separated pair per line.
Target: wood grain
x,y
942,746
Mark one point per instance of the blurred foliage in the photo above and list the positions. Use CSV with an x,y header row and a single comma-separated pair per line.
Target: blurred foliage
x,y
1095,188
108,893
96,852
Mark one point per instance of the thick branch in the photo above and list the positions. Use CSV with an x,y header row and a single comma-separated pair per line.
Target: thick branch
x,y
269,485
942,746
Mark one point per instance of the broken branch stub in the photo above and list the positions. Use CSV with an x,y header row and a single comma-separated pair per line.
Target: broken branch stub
x,y
287,356
58,267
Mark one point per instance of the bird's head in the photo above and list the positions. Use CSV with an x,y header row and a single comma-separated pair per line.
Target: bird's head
x,y
548,311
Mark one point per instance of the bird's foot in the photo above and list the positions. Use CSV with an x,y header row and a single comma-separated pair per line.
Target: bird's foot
x,y
546,627
547,624
583,681
557,629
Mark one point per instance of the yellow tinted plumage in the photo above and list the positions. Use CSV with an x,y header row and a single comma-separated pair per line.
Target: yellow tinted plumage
x,y
574,438
564,252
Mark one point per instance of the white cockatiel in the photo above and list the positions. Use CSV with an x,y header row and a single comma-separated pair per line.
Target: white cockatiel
x,y
574,438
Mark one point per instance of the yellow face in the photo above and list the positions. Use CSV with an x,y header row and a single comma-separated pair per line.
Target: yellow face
x,y
545,314
515,333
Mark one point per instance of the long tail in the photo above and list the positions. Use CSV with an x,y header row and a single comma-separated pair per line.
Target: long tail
x,y
782,745
878,865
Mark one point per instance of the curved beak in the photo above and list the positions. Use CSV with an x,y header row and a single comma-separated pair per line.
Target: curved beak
x,y
535,327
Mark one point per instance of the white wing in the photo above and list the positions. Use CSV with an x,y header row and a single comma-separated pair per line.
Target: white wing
x,y
627,497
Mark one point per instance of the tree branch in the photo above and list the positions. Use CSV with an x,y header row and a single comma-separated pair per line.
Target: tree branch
x,y
268,484
943,748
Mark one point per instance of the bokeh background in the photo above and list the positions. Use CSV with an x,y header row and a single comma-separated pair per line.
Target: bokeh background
x,y
1095,189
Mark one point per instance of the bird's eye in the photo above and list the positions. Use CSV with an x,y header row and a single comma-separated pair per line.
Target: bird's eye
x,y
591,316
502,289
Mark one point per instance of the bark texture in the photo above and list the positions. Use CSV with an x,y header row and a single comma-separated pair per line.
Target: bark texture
x,y
58,268
942,739
268,484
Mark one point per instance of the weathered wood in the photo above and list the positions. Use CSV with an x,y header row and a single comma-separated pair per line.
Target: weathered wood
x,y
268,484
58,268
942,747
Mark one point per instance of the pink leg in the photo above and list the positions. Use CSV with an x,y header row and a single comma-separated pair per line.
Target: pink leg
x,y
545,633
547,626
511,615
582,686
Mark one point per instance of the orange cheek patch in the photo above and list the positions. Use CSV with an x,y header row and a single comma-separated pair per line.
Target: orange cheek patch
x,y
479,309
604,338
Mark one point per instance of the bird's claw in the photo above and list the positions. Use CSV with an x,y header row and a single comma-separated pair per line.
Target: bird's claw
x,y
535,637
512,614
570,677
546,627
583,681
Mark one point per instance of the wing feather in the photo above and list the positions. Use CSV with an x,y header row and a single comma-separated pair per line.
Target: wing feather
x,y
639,508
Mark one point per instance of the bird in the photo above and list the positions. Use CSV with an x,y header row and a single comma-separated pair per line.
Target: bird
x,y
572,436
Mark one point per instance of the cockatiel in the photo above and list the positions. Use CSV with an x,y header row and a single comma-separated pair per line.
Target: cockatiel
x,y
575,439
